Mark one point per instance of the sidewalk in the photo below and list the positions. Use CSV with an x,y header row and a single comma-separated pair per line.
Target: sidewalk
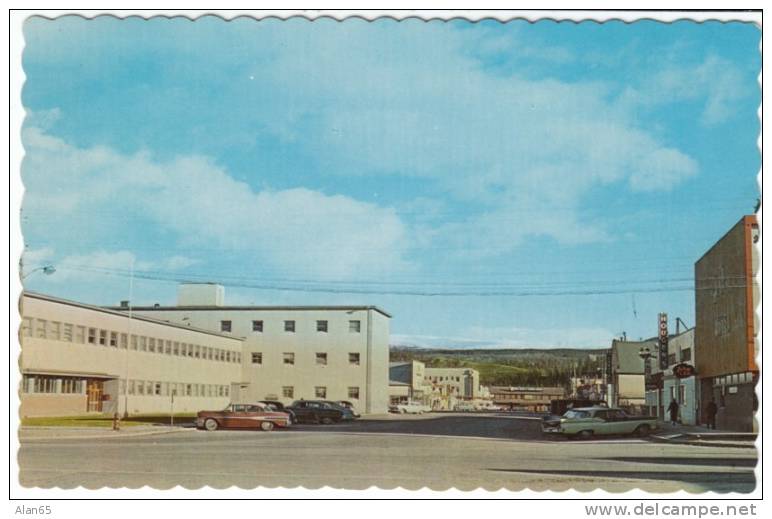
x,y
83,433
699,435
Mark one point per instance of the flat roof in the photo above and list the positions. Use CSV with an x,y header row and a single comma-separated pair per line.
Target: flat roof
x,y
208,308
108,310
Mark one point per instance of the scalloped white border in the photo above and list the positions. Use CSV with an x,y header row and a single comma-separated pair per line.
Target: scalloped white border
x,y
16,116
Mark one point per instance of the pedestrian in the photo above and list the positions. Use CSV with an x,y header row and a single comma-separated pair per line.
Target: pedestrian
x,y
712,411
673,410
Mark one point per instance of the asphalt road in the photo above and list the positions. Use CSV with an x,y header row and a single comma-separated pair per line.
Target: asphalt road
x,y
438,451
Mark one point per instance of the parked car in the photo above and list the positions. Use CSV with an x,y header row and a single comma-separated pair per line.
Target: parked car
x,y
409,408
585,422
278,406
247,416
348,405
319,411
463,407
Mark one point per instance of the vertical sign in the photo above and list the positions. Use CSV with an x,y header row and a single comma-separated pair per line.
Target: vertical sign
x,y
607,374
662,350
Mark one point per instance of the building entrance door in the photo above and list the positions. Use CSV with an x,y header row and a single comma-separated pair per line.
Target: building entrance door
x,y
94,391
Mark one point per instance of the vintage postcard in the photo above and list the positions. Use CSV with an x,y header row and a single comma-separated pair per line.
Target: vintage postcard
x,y
445,251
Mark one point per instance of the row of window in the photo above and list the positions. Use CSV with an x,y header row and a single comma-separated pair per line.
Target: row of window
x,y
737,378
354,326
289,358
68,332
686,356
154,388
320,392
49,384
443,379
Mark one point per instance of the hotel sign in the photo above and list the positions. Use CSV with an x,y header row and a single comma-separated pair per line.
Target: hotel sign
x,y
663,341
684,370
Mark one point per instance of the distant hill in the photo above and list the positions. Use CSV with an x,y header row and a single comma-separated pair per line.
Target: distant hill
x,y
511,367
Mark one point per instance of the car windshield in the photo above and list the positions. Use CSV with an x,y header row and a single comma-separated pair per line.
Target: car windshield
x,y
573,414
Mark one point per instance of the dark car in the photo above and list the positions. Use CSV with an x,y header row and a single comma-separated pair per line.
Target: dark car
x,y
278,406
348,405
319,411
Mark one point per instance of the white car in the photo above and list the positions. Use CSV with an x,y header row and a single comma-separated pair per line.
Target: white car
x,y
409,408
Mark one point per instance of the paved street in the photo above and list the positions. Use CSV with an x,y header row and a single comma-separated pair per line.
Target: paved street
x,y
438,451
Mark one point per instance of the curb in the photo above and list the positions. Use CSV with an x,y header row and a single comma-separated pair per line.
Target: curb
x,y
683,439
109,436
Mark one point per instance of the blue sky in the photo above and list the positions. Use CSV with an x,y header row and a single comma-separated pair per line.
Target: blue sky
x,y
546,184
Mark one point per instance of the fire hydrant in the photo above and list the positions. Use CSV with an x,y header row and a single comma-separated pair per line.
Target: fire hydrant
x,y
116,422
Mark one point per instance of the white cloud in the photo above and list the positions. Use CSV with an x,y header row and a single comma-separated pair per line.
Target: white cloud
x,y
297,230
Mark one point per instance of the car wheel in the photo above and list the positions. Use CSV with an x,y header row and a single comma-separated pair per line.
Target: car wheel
x,y
643,430
211,424
326,420
402,411
585,435
266,426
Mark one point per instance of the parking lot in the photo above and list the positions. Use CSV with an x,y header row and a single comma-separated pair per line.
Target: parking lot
x,y
440,451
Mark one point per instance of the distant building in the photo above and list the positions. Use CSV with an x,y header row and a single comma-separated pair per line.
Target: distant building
x,y
465,382
627,384
407,382
726,342
536,399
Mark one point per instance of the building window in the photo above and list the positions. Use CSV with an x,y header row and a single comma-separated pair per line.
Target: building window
x,y
353,359
124,341
140,387
133,342
288,392
157,388
67,332
257,357
320,392
92,335
184,349
54,330
257,326
190,350
176,348
131,387
354,326
289,326
321,359
80,334
197,352
289,358
151,344
102,337
41,330
26,327
142,343
353,393
321,326
225,326
168,347
686,355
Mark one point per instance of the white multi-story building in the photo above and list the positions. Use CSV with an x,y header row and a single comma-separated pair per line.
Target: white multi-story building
x,y
78,358
295,352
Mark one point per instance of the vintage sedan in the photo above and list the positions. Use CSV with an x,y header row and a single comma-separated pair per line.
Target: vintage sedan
x,y
585,422
243,416
319,412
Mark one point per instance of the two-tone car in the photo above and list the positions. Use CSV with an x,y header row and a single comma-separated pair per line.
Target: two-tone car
x,y
586,422
243,416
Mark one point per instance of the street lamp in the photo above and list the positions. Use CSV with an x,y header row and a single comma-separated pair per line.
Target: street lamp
x,y
645,354
46,269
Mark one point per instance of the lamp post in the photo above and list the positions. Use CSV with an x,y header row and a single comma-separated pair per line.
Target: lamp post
x,y
645,354
45,269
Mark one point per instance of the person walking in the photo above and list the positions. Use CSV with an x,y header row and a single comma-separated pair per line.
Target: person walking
x,y
712,410
673,410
